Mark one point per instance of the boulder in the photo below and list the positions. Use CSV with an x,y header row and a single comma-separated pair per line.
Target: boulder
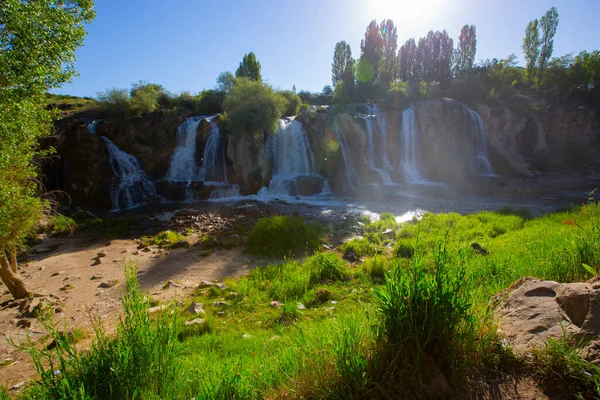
x,y
230,241
532,311
249,164
308,185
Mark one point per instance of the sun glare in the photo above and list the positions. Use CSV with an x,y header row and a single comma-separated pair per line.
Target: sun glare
x,y
408,13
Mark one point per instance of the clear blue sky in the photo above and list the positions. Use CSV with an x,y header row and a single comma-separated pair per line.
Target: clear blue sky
x,y
185,44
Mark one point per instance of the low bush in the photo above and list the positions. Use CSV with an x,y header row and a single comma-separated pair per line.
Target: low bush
x,y
283,235
293,103
164,239
59,224
360,247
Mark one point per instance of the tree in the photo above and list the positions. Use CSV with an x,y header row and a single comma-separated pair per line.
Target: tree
x,y
225,82
548,25
342,56
253,108
389,47
407,61
249,68
371,50
466,49
38,41
293,102
531,48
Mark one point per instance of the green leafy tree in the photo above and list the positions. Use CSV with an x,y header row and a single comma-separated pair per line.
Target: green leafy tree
x,y
293,103
531,48
389,48
466,49
587,68
548,25
249,68
371,48
144,96
225,82
407,61
253,108
38,41
342,56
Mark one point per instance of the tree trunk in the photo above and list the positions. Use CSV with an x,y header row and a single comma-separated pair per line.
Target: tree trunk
x,y
12,253
13,281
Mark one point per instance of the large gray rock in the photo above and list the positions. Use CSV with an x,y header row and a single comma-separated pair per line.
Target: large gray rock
x,y
533,311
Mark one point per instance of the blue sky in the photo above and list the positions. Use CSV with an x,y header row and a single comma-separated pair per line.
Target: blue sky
x,y
185,44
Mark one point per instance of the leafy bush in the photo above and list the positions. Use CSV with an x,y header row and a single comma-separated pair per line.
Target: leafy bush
x,y
283,235
293,103
60,224
360,247
424,312
164,239
115,102
253,108
139,359
376,267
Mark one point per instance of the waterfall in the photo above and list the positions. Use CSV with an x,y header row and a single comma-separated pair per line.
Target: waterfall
x,y
351,175
410,147
213,165
383,174
183,166
133,188
382,124
291,157
480,165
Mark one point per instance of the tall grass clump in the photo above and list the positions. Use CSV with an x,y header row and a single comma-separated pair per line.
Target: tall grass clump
x,y
424,316
139,359
283,235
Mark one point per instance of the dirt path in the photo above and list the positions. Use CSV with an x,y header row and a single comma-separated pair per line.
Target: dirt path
x,y
65,267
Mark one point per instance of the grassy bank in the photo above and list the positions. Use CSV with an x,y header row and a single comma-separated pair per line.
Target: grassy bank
x,y
411,308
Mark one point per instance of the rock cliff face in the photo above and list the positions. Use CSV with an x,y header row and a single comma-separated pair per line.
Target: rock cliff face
x,y
249,163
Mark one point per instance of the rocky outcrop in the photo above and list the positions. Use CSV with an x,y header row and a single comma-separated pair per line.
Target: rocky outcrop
x,y
534,137
249,163
532,311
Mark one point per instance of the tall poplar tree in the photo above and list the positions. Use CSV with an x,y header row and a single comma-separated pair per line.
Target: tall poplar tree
x,y
466,49
249,68
389,46
548,25
342,57
531,48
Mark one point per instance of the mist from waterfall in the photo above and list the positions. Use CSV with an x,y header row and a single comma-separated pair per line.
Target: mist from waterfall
x,y
133,188
183,166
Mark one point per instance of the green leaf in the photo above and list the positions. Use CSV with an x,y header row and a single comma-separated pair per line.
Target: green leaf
x,y
589,269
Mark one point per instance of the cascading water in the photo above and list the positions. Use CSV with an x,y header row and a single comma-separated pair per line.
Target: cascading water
x,y
291,157
480,165
183,166
351,175
410,147
383,174
133,188
214,169
382,124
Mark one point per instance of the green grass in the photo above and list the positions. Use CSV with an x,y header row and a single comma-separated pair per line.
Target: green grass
x,y
376,329
164,239
283,236
59,224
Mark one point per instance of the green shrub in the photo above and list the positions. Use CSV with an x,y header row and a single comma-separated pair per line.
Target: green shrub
x,y
60,224
293,103
164,239
115,102
253,108
139,359
424,312
304,107
376,267
283,235
360,247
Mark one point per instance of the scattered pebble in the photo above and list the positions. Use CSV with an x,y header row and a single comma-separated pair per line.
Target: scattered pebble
x,y
67,287
301,306
41,268
58,273
275,304
108,284
96,277
102,253
97,262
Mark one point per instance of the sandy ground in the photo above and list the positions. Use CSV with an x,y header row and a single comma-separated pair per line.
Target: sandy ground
x,y
64,266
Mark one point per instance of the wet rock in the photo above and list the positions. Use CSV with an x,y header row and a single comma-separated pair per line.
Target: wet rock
x,y
221,286
350,255
108,284
308,185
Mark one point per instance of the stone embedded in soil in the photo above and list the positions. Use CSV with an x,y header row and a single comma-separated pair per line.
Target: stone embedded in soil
x,y
97,262
102,253
219,304
195,308
196,321
171,284
67,287
108,284
221,286
57,273
96,277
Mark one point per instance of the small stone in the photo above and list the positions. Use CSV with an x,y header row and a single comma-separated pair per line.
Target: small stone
x,y
333,302
146,250
219,304
205,284
156,309
24,323
67,287
18,385
41,268
58,309
233,295
246,336
196,321
97,262
135,253
221,286
96,277
102,253
171,284
108,284
58,273
141,246
195,308
275,304
301,306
